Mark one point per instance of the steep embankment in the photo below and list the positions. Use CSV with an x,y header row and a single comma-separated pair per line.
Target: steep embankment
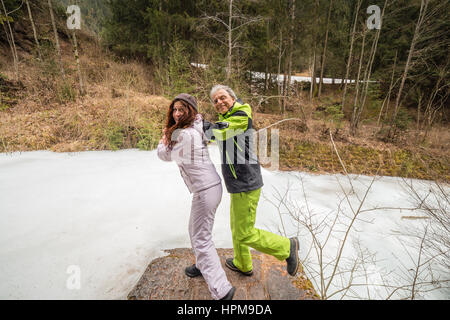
x,y
44,110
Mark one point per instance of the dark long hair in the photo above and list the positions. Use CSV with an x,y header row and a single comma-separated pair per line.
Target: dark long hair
x,y
185,122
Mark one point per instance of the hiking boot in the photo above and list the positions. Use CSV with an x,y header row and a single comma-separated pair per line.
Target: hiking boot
x,y
229,263
292,261
192,271
230,294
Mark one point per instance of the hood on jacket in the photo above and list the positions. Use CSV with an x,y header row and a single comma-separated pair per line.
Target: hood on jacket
x,y
198,126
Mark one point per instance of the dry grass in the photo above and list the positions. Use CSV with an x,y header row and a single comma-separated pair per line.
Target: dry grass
x,y
308,148
121,109
96,122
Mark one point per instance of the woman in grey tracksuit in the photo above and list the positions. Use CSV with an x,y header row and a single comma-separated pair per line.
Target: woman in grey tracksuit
x,y
185,143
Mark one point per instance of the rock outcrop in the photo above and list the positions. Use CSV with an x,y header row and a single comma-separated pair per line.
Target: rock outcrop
x,y
164,279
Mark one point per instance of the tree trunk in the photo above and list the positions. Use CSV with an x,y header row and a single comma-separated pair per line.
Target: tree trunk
x,y
423,9
77,59
280,55
313,74
34,30
355,104
291,47
325,49
368,71
285,84
8,37
230,19
12,43
419,103
314,66
55,31
430,113
391,85
266,80
358,6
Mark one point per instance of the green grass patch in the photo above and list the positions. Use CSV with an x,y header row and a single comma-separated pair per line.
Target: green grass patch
x,y
321,157
148,135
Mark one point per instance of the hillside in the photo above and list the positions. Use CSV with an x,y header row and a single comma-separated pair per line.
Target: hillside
x,y
125,106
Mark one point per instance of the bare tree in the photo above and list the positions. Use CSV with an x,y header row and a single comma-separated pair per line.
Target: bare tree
x,y
291,51
312,70
230,37
388,96
350,54
333,274
368,71
417,32
55,31
437,99
314,58
280,56
356,103
11,41
234,22
34,30
432,259
325,48
339,275
77,59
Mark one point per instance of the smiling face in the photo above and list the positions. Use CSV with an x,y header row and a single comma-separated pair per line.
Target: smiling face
x,y
222,101
179,110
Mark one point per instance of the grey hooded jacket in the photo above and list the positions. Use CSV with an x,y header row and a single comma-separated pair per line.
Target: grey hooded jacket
x,y
192,157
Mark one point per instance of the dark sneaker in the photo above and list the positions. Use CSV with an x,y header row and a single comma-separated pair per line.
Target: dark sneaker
x,y
229,295
229,263
292,261
192,271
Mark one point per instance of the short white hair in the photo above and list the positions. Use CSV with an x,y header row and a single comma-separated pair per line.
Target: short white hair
x,y
218,87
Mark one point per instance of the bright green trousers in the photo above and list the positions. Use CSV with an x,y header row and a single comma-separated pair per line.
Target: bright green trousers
x,y
245,235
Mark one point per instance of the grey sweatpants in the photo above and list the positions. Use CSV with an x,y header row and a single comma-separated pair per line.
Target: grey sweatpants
x,y
204,205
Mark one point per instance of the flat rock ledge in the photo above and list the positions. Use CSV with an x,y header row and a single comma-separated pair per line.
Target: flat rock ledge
x,y
164,279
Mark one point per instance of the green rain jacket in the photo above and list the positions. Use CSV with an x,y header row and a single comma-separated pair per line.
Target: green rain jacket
x,y
241,170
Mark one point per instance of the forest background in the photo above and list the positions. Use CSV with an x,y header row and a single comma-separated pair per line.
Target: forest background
x,y
107,85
